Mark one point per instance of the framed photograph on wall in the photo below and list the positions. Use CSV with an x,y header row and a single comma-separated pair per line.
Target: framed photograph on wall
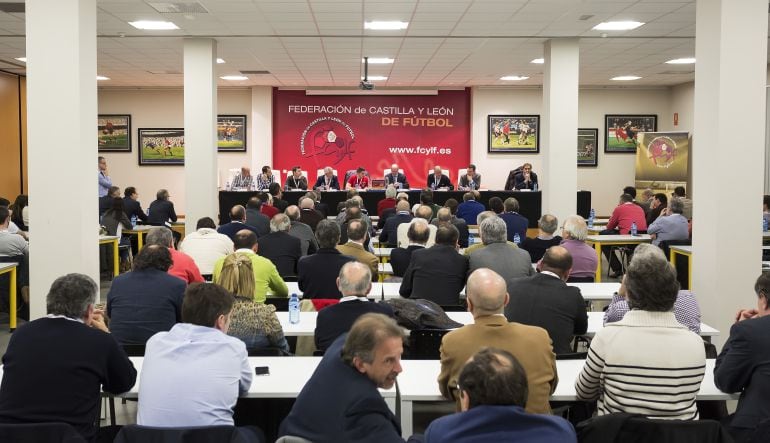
x,y
161,146
587,142
620,130
513,133
231,133
114,132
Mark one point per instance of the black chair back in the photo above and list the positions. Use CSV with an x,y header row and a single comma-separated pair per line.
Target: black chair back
x,y
134,350
202,434
580,279
280,303
572,356
424,344
761,433
631,428
40,433
265,352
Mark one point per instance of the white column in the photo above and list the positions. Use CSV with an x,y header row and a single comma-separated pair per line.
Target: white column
x,y
727,154
558,179
261,136
62,146
200,120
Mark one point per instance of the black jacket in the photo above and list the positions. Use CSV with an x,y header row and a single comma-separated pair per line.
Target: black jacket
x,y
336,320
283,250
389,234
133,208
437,274
442,183
161,211
259,221
317,273
400,259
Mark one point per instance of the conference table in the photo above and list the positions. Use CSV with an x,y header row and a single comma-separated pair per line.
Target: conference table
x,y
418,383
598,241
141,230
10,269
114,241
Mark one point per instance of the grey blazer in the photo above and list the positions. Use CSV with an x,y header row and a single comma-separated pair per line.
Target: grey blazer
x,y
508,261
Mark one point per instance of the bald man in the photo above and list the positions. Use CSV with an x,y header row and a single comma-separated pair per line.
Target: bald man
x,y
308,214
545,300
487,298
389,234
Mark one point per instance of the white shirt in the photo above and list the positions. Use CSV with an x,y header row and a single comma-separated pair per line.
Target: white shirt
x,y
206,246
12,244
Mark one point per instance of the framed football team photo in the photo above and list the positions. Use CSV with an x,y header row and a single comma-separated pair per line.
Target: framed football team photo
x,y
161,146
114,132
231,133
513,133
620,130
587,141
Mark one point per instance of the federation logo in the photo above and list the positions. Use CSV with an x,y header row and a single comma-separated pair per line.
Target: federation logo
x,y
328,136
662,151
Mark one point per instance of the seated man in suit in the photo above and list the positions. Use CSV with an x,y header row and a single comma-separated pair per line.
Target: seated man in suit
x,y
308,214
469,181
743,366
131,205
301,231
547,225
354,282
451,205
279,247
437,273
396,178
545,300
328,181
493,393
526,179
400,258
238,222
340,402
487,298
296,181
389,234
506,260
355,246
161,211
438,180
105,202
470,208
255,218
317,273
515,223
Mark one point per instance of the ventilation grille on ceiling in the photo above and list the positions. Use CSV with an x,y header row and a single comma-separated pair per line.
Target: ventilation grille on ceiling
x,y
12,7
255,72
178,7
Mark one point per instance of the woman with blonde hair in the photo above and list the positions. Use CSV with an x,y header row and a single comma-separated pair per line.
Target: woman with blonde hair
x,y
254,323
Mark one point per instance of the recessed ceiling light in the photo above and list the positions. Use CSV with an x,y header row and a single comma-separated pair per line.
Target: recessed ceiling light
x,y
22,59
514,78
153,25
681,61
617,26
234,77
220,61
625,78
385,25
538,61
379,60
376,78
101,77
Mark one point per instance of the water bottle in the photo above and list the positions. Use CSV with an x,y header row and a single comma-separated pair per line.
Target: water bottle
x,y
516,238
227,185
591,216
534,187
133,221
764,225
634,231
294,309
470,240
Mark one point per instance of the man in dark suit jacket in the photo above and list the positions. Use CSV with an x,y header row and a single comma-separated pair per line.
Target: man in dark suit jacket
x,y
493,395
328,181
400,258
438,180
280,247
237,223
308,214
131,205
546,301
396,178
319,206
340,402
105,203
317,273
437,273
389,234
744,364
515,222
278,202
255,218
161,210
386,214
355,283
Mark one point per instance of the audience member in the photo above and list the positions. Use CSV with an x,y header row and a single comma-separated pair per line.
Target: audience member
x,y
147,299
396,178
680,194
10,244
105,203
352,213
114,217
296,181
327,181
445,216
267,209
400,258
320,206
308,214
438,180
389,234
493,392
646,202
766,208
470,181
161,211
663,360
277,197
496,205
237,223
317,273
545,300
479,245
57,366
182,265
686,308
131,205
547,225
266,277
742,366
426,199
104,179
515,223
671,225
437,273
469,209
624,216
12,227
658,204
355,247
355,283
265,179
193,374
205,246
340,402
253,323
487,298
630,190
301,231
388,202
259,222
584,260
422,213
279,247
509,262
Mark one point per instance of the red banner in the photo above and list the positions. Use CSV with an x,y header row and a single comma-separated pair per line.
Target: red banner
x,y
373,131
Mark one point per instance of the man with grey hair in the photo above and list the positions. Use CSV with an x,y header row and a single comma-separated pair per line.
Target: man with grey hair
x,y
388,202
422,213
327,181
308,214
56,366
396,178
341,402
584,260
279,247
509,262
354,247
670,225
445,216
515,223
354,282
316,273
547,226
487,298
301,231
183,266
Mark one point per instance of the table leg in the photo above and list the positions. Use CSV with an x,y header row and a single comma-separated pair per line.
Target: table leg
x,y
115,258
406,419
140,240
12,301
598,276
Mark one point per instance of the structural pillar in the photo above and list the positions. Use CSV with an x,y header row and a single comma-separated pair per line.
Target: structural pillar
x,y
62,145
558,180
200,126
727,154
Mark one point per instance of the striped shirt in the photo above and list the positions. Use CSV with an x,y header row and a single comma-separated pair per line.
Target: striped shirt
x,y
686,310
241,181
647,363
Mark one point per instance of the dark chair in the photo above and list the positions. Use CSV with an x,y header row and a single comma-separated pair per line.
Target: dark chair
x,y
265,352
290,278
454,308
208,277
424,344
280,303
631,428
761,434
40,433
134,350
318,353
572,356
581,279
202,434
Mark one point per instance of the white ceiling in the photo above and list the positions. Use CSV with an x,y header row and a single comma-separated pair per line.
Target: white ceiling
x,y
448,43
